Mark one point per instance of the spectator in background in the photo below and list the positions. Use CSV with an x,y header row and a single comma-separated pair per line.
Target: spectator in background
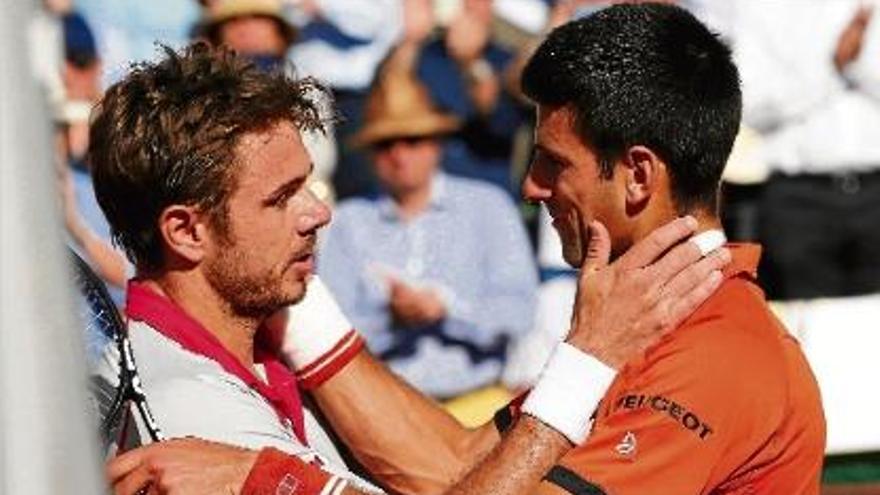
x,y
341,43
812,90
437,271
261,31
82,65
87,228
129,31
462,71
256,29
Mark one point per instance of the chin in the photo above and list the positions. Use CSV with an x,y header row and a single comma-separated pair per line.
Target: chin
x,y
296,293
573,257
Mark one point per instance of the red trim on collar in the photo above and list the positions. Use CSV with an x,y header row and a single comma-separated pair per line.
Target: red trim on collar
x,y
143,304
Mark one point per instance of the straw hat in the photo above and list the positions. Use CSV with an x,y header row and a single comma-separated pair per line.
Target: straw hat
x,y
399,107
225,10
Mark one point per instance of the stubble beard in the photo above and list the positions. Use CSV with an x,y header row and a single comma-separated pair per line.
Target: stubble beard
x,y
250,295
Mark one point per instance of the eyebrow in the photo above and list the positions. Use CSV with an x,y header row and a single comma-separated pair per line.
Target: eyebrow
x,y
288,187
539,148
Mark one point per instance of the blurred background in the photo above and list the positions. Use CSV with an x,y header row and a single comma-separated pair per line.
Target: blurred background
x,y
465,294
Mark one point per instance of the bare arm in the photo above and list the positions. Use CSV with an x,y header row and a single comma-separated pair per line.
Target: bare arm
x,y
381,419
109,263
194,466
418,22
518,463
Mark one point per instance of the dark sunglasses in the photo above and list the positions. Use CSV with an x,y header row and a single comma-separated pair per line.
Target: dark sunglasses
x,y
386,144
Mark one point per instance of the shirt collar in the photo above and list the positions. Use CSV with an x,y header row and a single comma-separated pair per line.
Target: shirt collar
x,y
439,199
744,260
144,304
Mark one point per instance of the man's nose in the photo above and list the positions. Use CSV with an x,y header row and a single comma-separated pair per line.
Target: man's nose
x,y
531,190
317,215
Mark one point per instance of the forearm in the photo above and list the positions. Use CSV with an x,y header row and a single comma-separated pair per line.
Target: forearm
x,y
483,85
109,264
518,463
515,466
402,58
407,441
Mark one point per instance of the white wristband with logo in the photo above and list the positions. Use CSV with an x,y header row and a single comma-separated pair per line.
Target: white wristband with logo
x,y
568,391
318,340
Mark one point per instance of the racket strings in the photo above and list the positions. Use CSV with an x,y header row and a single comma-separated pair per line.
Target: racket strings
x,y
102,319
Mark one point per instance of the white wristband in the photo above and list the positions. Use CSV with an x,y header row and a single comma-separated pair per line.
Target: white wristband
x,y
318,340
570,387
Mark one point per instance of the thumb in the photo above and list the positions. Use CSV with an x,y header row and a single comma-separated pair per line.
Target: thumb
x,y
598,247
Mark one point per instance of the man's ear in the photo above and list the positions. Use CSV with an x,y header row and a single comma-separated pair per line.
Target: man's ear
x,y
184,231
644,172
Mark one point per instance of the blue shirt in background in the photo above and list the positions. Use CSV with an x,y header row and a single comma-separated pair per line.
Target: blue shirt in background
x,y
470,244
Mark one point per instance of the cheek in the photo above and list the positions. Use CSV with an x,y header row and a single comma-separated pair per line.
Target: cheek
x,y
383,166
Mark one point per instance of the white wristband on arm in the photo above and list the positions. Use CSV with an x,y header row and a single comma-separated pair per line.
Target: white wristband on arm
x,y
568,391
318,340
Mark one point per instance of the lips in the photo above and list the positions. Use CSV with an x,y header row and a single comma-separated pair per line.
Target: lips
x,y
305,264
304,257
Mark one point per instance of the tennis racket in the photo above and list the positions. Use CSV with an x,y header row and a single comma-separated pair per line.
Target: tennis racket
x,y
104,327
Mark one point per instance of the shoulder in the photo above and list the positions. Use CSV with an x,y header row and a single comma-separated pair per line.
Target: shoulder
x,y
472,192
160,359
220,409
735,330
356,207
191,395
728,357
354,215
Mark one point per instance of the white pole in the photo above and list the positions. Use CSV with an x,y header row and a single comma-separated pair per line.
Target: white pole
x,y
47,436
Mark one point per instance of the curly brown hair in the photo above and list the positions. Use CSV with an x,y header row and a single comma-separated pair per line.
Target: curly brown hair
x,y
166,134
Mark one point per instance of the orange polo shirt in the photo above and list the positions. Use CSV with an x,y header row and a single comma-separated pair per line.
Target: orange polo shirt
x,y
724,404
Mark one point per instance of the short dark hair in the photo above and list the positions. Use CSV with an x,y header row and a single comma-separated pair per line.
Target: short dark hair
x,y
651,75
166,134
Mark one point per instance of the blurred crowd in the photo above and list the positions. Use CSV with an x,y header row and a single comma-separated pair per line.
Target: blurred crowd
x,y
458,285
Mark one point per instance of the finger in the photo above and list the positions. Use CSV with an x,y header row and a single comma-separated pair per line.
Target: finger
x,y
657,242
135,482
124,463
691,277
674,261
598,247
686,305
863,15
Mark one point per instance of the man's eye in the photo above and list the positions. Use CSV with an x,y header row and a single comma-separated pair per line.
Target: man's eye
x,y
547,165
281,200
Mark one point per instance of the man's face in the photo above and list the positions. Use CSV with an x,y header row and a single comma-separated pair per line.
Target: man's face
x,y
253,35
264,259
565,176
406,164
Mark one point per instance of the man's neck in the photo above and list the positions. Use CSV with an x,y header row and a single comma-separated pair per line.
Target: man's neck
x,y
411,203
192,293
706,220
